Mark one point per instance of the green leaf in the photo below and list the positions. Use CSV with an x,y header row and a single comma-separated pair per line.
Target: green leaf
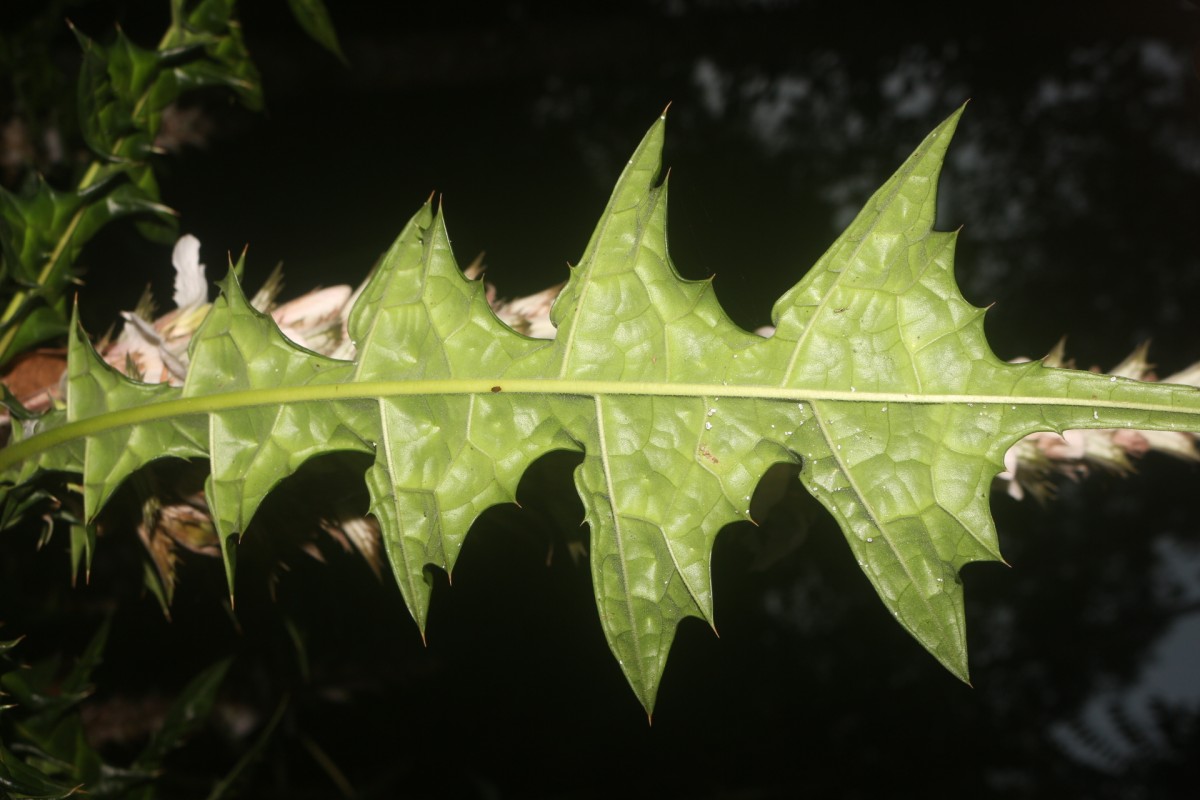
x,y
46,695
22,782
187,714
124,88
113,82
83,545
878,382
228,782
79,679
314,18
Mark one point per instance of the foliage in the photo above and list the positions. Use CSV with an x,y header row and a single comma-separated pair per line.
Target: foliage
x,y
45,753
122,92
878,382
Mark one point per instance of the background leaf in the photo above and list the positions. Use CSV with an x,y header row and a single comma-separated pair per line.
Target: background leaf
x,y
313,16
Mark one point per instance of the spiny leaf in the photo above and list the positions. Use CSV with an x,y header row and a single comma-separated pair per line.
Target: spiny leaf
x,y
878,382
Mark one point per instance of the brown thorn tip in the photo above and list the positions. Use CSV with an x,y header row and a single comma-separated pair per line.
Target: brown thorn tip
x,y
424,641
649,719
716,632
666,108
432,192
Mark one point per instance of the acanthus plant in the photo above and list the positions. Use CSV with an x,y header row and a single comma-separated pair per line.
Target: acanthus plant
x,y
877,382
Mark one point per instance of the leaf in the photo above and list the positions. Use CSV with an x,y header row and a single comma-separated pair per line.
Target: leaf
x,y
223,787
878,382
46,695
313,16
187,714
22,782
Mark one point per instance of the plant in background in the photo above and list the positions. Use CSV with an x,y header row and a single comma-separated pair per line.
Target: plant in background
x,y
125,101
44,752
123,92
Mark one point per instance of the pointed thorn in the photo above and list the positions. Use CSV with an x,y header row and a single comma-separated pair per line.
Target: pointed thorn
x,y
1005,563
517,503
429,199
424,641
450,578
666,109
716,632
649,719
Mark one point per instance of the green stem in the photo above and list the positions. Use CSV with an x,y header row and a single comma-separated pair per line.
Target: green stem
x,y
276,396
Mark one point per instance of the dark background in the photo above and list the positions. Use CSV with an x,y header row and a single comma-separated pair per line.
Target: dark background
x,y
1075,175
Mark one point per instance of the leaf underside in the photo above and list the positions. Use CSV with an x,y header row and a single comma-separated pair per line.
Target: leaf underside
x,y
878,382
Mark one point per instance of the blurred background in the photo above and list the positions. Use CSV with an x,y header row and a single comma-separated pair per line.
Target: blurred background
x,y
1075,176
